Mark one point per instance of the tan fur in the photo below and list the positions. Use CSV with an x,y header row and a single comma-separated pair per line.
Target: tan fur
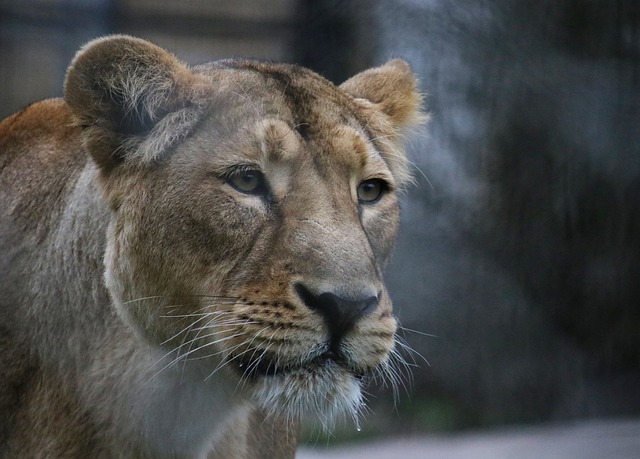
x,y
148,307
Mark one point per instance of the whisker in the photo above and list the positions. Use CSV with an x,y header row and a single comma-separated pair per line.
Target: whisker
x,y
416,167
418,332
196,314
227,361
210,325
158,297
256,362
196,338
183,356
184,330
192,324
411,351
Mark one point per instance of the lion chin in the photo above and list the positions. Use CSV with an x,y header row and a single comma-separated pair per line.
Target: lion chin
x,y
321,390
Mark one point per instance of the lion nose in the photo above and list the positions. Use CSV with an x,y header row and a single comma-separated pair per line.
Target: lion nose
x,y
339,312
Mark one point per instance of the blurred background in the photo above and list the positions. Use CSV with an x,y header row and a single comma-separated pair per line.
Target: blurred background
x,y
517,270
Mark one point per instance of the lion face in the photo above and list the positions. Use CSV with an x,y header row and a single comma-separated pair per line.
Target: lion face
x,y
253,209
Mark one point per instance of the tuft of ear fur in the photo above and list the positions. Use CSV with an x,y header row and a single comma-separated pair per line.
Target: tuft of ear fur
x,y
393,88
133,99
392,103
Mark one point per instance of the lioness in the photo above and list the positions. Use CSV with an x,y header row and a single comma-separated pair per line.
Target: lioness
x,y
190,258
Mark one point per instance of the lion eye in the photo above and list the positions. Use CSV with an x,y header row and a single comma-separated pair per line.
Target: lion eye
x,y
248,181
370,191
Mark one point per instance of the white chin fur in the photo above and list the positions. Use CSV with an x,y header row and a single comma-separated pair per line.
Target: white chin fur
x,y
322,393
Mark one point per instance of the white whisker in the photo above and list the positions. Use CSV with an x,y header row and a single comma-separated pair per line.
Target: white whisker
x,y
183,356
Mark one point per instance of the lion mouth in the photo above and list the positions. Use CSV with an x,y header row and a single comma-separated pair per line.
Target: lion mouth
x,y
269,367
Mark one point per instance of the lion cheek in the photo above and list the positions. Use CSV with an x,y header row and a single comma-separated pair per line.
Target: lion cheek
x,y
382,229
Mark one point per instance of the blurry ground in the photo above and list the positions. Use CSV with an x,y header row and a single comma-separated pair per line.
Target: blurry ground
x,y
617,439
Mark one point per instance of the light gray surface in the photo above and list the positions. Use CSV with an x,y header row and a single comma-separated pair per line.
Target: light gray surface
x,y
619,439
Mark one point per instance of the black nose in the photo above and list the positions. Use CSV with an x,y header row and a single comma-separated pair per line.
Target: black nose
x,y
339,313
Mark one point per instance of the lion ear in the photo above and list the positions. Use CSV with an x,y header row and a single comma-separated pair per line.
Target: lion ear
x,y
132,98
393,88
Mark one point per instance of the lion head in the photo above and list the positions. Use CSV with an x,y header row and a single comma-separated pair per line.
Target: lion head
x,y
253,208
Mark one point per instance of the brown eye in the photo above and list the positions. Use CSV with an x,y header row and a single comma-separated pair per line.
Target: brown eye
x,y
370,191
248,181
